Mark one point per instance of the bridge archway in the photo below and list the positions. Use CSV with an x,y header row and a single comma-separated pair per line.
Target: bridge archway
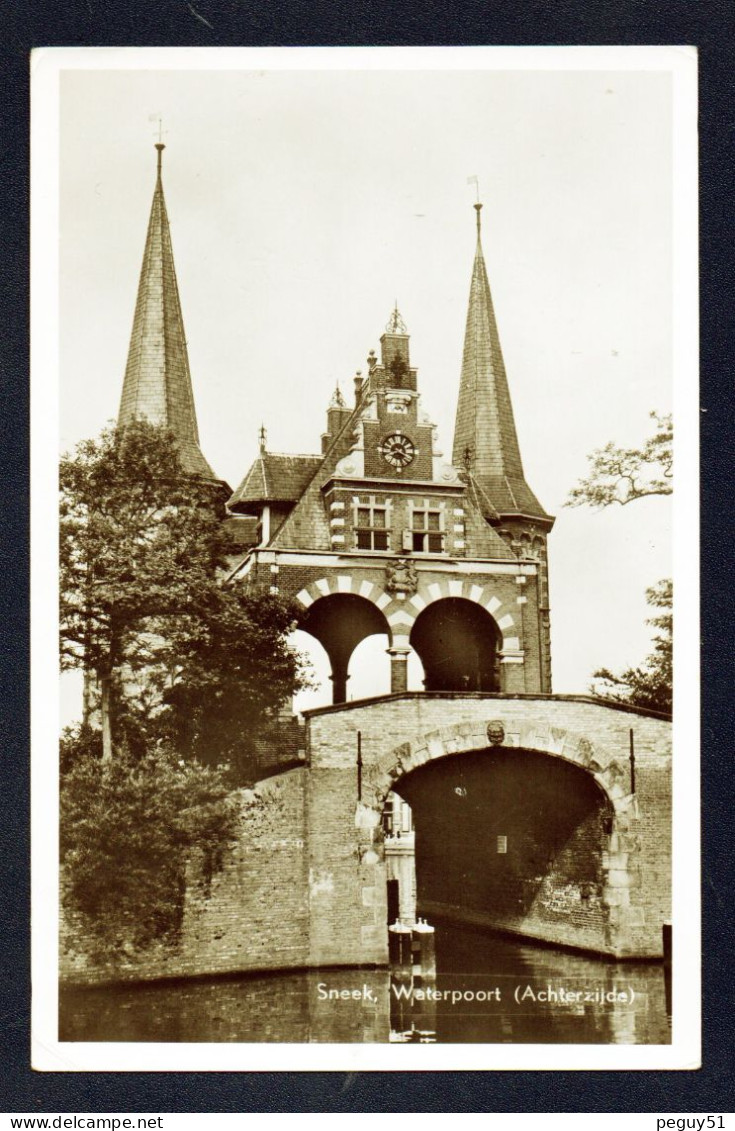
x,y
512,840
459,644
532,832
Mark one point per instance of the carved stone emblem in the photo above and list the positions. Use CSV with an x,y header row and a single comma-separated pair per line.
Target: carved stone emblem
x,y
584,749
401,577
495,732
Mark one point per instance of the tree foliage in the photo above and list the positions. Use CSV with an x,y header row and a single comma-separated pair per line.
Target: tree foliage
x,y
191,671
650,684
622,475
178,655
127,832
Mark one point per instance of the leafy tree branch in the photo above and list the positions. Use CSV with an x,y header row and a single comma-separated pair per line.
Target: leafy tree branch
x,y
622,475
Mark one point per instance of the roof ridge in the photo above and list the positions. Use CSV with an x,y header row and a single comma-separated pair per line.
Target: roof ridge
x,y
329,455
295,455
511,492
262,472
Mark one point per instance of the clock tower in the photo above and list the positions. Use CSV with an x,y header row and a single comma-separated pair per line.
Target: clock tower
x,y
379,535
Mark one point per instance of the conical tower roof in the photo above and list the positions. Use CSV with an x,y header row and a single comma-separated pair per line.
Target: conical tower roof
x,y
157,383
485,438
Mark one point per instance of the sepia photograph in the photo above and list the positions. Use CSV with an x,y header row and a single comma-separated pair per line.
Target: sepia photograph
x,y
358,381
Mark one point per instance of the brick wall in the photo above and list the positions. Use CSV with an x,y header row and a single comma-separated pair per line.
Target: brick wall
x,y
256,915
629,882
305,884
528,676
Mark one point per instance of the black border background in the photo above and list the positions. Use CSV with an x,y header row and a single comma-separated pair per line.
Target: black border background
x,y
708,24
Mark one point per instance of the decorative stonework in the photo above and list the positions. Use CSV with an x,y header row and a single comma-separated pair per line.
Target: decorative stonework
x,y
407,604
495,732
401,578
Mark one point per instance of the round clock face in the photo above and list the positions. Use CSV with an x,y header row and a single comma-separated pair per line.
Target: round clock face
x,y
397,450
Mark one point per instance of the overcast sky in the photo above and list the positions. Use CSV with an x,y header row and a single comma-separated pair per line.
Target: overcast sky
x,y
302,204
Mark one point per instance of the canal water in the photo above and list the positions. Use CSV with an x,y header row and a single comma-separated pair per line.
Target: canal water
x,y
486,989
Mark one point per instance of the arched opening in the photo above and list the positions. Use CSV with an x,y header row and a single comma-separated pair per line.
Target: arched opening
x,y
415,674
317,660
458,643
369,669
340,622
511,839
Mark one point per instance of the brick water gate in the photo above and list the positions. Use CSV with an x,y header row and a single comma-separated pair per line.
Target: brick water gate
x,y
530,818
525,822
529,814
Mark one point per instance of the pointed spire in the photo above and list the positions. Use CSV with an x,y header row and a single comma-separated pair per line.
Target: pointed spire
x,y
485,438
157,382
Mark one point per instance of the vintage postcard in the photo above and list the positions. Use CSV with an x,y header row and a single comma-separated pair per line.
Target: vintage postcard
x,y
366,383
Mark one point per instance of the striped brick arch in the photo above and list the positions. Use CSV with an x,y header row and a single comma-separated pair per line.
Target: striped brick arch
x,y
401,615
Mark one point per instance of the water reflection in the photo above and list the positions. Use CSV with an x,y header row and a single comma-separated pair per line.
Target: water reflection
x,y
486,989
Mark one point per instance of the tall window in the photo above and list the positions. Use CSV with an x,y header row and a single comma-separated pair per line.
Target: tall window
x,y
427,529
371,524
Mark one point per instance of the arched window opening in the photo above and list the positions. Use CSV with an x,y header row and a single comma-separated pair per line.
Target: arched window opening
x,y
369,668
340,622
318,667
458,643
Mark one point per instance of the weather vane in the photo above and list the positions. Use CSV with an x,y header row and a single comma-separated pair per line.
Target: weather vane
x,y
475,180
395,324
161,132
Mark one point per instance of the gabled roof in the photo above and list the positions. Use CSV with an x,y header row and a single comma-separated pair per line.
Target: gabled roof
x,y
481,541
275,478
157,383
485,437
307,526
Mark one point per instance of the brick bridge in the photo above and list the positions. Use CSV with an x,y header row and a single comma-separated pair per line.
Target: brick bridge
x,y
525,819
525,822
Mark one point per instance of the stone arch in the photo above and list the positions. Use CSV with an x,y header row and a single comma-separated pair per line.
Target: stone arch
x,y
459,644
340,619
402,619
343,583
534,734
621,853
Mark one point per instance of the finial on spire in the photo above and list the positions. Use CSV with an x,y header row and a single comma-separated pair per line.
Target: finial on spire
x,y
395,324
160,143
474,180
262,438
337,400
